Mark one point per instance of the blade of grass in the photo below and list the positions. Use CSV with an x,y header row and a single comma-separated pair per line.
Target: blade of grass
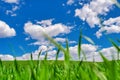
x,y
79,44
58,51
88,39
67,55
55,43
116,46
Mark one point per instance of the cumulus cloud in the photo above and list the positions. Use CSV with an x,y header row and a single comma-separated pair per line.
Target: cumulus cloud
x,y
91,11
45,22
11,1
91,52
50,54
88,49
110,26
45,26
112,21
36,31
5,30
6,57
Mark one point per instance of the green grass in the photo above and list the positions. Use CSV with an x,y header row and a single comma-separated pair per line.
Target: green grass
x,y
61,70
57,70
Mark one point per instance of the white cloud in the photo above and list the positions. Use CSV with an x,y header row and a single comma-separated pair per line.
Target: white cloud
x,y
50,54
6,31
70,2
112,21
110,26
14,7
11,1
90,12
45,23
6,57
40,42
12,11
60,40
36,30
90,51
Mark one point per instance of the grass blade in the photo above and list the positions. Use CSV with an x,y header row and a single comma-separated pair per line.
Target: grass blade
x,y
55,43
88,39
116,46
79,44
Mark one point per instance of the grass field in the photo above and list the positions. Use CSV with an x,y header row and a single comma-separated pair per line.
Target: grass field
x,y
61,70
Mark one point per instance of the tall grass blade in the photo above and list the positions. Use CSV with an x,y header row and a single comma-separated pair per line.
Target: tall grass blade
x,y
88,39
79,44
116,46
104,59
39,54
57,54
67,54
55,43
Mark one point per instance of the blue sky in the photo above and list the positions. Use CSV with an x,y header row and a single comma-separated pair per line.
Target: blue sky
x,y
22,23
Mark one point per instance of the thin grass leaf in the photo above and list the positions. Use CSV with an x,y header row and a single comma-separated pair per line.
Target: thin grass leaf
x,y
116,46
79,44
104,58
39,54
33,75
88,39
99,74
46,56
58,51
1,64
17,71
67,55
55,43
31,56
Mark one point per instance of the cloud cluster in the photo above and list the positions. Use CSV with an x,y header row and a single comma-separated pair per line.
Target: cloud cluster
x,y
6,57
45,26
87,49
5,30
12,11
14,7
36,31
90,51
110,26
91,11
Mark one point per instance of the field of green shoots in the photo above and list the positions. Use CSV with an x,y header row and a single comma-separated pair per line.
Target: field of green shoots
x,y
61,70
